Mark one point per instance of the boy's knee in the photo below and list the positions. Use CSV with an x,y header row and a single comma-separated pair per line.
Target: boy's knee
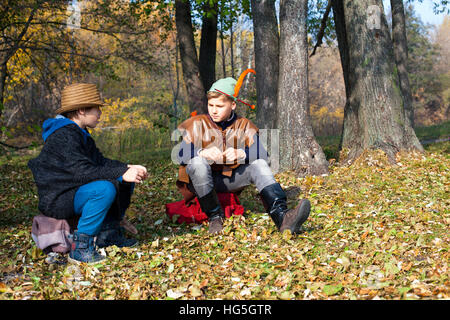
x,y
260,170
198,167
260,163
105,189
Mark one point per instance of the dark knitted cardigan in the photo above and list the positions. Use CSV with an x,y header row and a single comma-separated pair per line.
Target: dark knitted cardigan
x,y
68,160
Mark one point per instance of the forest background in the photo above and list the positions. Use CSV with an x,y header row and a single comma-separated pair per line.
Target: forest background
x,y
131,52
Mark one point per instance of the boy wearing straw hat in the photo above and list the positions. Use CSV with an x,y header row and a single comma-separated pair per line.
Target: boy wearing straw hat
x,y
221,152
74,179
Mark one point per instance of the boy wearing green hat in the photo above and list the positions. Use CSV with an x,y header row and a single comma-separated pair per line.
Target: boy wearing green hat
x,y
221,152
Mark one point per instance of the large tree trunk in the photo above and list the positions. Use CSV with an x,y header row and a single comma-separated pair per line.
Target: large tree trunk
x,y
373,117
401,56
266,43
207,59
299,150
341,34
188,54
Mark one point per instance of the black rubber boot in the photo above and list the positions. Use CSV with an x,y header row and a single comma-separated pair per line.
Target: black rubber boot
x,y
275,202
111,233
210,205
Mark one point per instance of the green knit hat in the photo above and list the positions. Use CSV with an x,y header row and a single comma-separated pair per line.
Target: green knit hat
x,y
226,85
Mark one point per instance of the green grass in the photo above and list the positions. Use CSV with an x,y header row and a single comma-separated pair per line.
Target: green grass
x,y
330,146
439,131
134,145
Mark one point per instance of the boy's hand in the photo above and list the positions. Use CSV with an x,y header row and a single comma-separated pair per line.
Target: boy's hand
x,y
212,154
135,173
141,169
231,155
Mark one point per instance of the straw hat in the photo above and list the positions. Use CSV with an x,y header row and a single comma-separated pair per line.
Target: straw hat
x,y
79,95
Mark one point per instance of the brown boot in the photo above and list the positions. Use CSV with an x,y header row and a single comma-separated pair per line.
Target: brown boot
x,y
275,202
215,225
210,205
294,218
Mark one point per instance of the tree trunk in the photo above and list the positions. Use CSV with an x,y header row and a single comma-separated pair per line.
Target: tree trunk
x,y
373,116
401,56
231,50
224,65
239,55
299,150
175,87
341,34
266,47
222,46
188,54
3,75
207,59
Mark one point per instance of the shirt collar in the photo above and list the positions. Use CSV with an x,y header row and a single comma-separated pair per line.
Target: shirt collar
x,y
226,123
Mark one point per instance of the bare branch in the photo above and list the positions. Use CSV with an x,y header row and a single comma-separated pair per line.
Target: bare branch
x,y
14,48
322,28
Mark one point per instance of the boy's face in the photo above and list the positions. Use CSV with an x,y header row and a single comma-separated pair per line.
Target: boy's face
x,y
220,108
91,116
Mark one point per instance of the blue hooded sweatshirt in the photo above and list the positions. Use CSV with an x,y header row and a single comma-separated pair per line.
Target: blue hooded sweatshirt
x,y
51,125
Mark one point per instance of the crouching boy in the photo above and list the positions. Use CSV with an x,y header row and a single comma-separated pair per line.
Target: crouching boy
x,y
221,152
73,178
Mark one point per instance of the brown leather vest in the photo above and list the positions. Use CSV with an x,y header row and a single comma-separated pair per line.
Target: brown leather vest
x,y
203,133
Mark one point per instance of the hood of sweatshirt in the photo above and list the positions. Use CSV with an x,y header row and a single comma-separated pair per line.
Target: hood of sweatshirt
x,y
51,125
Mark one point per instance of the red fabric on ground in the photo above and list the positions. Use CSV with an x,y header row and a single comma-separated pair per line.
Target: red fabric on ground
x,y
193,214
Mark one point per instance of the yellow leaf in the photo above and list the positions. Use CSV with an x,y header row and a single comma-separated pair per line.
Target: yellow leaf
x,y
195,291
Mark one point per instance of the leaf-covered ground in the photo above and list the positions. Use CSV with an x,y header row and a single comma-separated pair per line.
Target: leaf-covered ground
x,y
375,232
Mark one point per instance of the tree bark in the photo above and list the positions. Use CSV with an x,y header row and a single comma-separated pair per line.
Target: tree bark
x,y
188,54
175,87
231,50
222,45
323,25
266,47
239,55
341,34
401,56
373,116
3,75
207,59
299,150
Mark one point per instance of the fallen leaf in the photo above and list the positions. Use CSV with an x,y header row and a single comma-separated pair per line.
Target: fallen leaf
x,y
174,294
330,290
286,295
195,291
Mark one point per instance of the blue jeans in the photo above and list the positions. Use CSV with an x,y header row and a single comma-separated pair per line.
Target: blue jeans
x,y
92,201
